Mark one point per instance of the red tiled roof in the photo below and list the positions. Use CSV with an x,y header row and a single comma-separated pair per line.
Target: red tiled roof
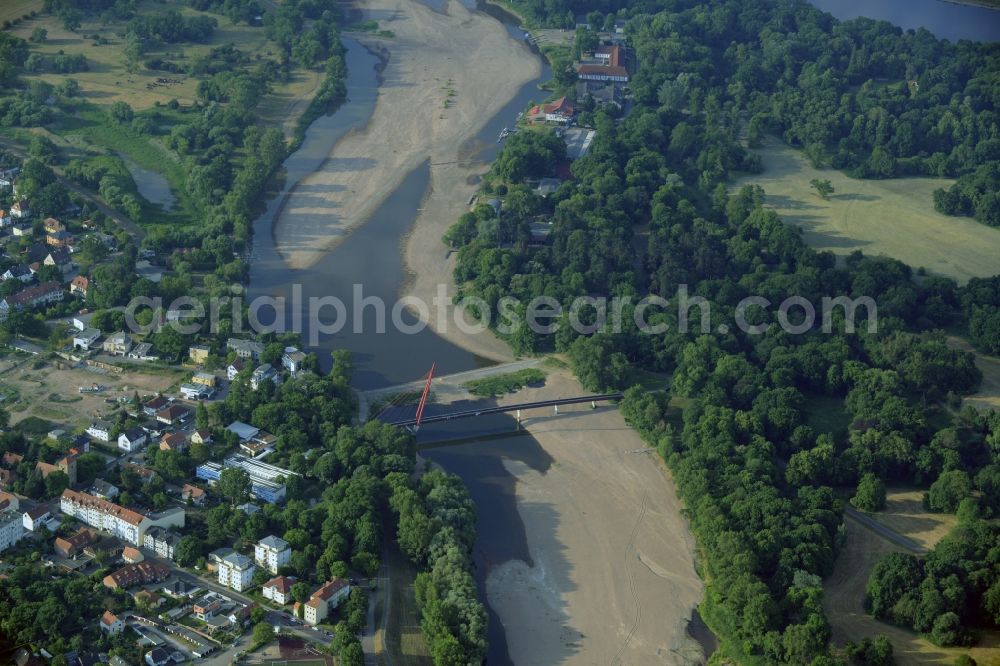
x,y
329,588
104,506
108,618
615,53
282,584
28,295
136,574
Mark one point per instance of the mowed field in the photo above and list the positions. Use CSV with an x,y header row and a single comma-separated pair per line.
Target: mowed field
x,y
894,217
844,590
988,395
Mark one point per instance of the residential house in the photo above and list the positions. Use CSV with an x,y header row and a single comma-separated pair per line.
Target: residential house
x,y
144,473
85,339
35,519
173,414
71,547
79,285
111,623
161,541
560,111
35,254
204,379
245,348
41,294
66,465
279,590
11,528
60,258
173,441
52,226
201,436
193,494
196,391
100,430
199,353
236,571
5,220
21,229
235,368
60,239
132,555
150,407
139,573
20,210
18,272
293,359
272,553
132,439
103,489
324,599
143,352
264,373
118,344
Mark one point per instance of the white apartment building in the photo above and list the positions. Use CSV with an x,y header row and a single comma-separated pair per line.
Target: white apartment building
x,y
236,571
272,553
123,523
11,528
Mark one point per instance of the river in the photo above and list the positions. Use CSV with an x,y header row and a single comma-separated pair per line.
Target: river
x,y
371,256
948,20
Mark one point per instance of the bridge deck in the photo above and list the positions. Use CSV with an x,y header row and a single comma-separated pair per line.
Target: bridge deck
x,y
470,413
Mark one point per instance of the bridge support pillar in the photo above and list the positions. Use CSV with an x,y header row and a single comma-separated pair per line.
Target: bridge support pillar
x,y
519,419
593,404
556,408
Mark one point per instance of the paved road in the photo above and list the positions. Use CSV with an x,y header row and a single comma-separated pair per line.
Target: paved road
x,y
884,531
125,223
276,616
378,600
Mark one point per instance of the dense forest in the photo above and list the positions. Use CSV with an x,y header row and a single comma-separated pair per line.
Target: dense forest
x,y
648,211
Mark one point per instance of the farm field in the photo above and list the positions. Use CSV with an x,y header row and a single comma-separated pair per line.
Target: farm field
x,y
893,217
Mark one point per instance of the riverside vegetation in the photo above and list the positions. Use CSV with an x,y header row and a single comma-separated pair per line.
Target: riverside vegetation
x,y
764,483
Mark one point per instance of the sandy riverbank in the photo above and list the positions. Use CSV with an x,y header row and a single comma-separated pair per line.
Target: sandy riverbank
x,y
447,73
613,578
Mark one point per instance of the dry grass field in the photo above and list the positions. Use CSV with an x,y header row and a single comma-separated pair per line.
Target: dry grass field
x,y
988,395
894,217
109,81
844,590
52,392
904,513
403,638
15,9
